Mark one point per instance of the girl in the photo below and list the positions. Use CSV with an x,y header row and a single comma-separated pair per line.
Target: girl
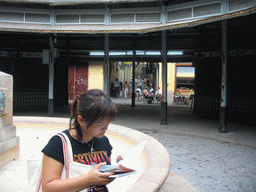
x,y
91,114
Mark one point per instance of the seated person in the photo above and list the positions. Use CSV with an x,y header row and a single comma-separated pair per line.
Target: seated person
x,y
158,94
192,94
177,96
151,90
138,92
148,95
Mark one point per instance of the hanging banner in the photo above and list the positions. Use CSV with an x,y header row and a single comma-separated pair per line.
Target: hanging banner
x,y
46,56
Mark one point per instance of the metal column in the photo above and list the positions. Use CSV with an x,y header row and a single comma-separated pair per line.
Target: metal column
x,y
164,79
106,65
133,71
224,94
51,79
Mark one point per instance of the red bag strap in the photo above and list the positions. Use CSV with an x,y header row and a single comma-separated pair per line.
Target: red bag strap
x,y
66,162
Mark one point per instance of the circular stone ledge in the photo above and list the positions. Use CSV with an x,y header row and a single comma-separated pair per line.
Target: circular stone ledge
x,y
159,162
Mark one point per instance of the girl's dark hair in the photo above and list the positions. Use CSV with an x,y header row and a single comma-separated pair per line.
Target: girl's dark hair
x,y
92,105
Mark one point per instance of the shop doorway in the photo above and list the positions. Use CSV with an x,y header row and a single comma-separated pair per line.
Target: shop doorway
x,y
77,80
185,84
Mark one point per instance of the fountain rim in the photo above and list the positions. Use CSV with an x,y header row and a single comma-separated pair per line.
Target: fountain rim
x,y
159,162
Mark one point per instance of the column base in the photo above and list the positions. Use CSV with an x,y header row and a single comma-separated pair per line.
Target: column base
x,y
50,107
223,120
133,99
163,113
11,153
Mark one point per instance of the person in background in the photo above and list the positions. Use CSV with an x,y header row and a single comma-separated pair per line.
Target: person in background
x,y
116,87
177,96
151,89
148,96
126,89
158,94
138,92
142,82
191,97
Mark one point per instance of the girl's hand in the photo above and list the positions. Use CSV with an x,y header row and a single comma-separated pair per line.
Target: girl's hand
x,y
119,158
98,178
51,172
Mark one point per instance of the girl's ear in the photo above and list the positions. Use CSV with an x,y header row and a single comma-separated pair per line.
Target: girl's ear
x,y
80,120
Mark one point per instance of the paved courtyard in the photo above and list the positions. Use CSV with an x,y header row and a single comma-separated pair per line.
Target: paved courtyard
x,y
207,159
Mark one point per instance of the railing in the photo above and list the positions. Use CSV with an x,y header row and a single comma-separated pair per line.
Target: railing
x,y
30,98
243,105
211,104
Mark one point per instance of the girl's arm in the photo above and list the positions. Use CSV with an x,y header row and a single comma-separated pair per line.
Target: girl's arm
x,y
51,171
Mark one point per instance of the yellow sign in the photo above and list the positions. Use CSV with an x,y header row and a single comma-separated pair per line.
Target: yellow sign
x,y
128,63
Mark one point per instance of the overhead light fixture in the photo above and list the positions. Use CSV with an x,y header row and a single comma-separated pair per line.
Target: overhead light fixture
x,y
153,53
175,53
138,52
96,53
117,53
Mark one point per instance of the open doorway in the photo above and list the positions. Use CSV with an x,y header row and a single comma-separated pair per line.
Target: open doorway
x,y
146,75
185,84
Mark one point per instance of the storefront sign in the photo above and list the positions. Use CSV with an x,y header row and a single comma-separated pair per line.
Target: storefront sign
x,y
232,53
31,54
26,54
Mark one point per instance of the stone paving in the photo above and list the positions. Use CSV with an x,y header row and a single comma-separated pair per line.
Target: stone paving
x,y
211,165
207,159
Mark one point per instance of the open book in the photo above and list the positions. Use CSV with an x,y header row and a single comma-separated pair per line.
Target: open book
x,y
125,166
